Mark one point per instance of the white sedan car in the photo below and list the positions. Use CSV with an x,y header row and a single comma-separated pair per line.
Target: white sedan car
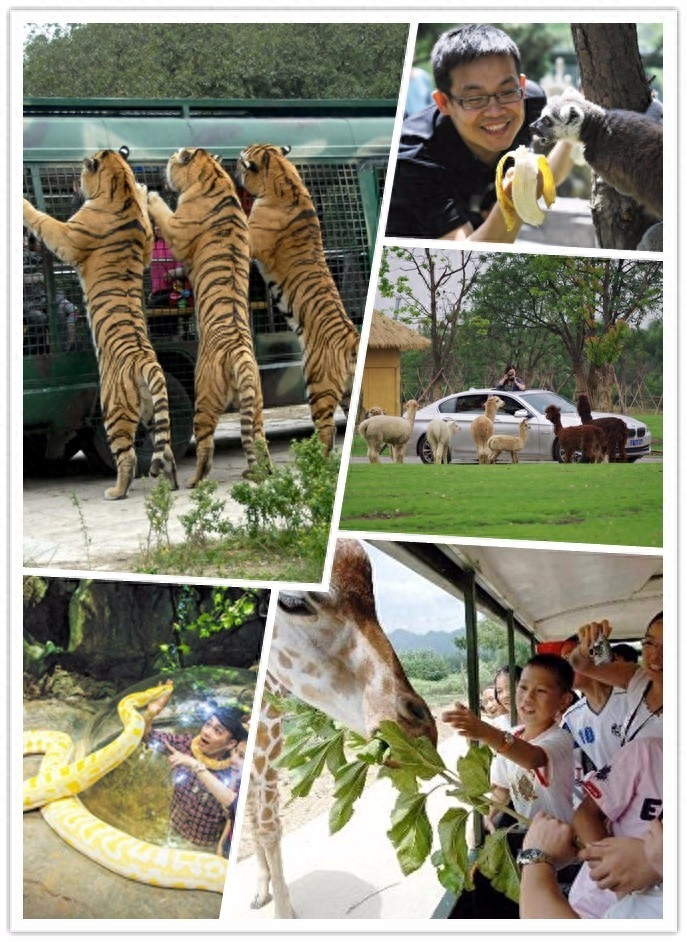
x,y
541,445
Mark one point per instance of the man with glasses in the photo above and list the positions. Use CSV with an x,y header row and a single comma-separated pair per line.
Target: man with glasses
x,y
446,167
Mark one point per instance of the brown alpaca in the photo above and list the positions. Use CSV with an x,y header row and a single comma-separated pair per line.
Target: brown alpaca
x,y
615,430
482,428
588,439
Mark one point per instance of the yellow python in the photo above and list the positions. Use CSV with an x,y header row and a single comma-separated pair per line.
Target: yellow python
x,y
54,789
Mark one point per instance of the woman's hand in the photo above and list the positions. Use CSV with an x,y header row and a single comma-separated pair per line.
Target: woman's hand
x,y
589,635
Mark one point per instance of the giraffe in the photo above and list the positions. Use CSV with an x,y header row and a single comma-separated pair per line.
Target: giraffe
x,y
329,650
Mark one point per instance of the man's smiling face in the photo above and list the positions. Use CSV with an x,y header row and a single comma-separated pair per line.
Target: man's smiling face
x,y
490,130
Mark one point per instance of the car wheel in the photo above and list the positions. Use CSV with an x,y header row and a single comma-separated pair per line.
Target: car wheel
x,y
424,452
559,454
98,451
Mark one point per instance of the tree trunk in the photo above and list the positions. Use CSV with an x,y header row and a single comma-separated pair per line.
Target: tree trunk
x,y
612,75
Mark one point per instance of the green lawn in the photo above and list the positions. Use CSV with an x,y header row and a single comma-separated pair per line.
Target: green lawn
x,y
617,504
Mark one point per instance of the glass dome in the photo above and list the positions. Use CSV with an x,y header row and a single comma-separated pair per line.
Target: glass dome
x,y
136,795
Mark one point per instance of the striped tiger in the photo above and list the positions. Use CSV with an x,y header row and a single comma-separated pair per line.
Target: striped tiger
x,y
208,235
109,241
286,244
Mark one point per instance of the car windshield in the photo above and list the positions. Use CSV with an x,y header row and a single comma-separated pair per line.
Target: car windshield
x,y
540,400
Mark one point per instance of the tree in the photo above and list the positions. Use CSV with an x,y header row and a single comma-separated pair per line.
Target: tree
x,y
431,291
216,60
424,665
613,76
493,648
590,305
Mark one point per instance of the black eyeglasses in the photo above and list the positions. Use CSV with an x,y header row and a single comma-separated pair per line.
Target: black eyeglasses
x,y
477,102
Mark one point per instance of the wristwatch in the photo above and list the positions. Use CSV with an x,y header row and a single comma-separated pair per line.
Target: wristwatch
x,y
532,855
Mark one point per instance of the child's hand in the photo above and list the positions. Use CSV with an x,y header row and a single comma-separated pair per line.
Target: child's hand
x,y
464,720
619,864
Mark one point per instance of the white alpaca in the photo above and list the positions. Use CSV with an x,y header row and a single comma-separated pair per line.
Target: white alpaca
x,y
482,428
511,443
439,435
392,430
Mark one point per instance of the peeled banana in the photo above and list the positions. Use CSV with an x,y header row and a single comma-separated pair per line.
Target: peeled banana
x,y
523,202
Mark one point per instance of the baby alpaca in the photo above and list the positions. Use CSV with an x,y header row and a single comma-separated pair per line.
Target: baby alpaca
x,y
588,439
614,429
510,443
439,435
482,428
392,430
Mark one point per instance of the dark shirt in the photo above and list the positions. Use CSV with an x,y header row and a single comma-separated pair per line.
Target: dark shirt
x,y
439,184
195,814
509,385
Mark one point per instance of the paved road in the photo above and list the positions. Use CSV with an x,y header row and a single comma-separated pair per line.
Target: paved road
x,y
68,524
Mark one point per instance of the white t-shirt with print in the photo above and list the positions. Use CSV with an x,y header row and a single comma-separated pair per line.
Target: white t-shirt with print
x,y
598,735
640,721
549,788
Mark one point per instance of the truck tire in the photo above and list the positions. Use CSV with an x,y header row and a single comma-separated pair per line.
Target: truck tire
x,y
98,452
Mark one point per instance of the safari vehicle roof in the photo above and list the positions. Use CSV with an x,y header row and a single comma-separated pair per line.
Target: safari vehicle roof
x,y
58,129
551,591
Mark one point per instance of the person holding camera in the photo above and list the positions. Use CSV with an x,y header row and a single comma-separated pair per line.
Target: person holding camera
x,y
509,382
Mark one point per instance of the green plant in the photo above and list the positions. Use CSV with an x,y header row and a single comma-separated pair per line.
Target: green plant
x,y
205,516
313,741
293,497
84,529
225,614
158,504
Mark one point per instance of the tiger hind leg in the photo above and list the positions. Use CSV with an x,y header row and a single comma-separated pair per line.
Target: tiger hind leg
x,y
204,434
247,391
155,414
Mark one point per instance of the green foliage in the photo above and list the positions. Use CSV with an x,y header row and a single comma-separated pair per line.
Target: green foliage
x,y
294,497
216,60
34,589
204,519
314,742
158,503
226,614
424,664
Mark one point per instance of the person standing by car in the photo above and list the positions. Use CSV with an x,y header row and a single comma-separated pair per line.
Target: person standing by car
x,y
509,382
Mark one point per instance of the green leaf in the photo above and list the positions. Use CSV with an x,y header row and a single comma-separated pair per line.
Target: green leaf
x,y
350,782
411,832
473,770
305,773
496,862
416,754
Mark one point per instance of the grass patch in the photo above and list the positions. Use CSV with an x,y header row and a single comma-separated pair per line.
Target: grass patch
x,y
617,504
273,556
654,422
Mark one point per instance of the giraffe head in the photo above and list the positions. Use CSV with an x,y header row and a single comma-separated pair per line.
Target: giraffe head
x,y
329,649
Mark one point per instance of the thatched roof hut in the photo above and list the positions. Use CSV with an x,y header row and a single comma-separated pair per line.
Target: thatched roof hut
x,y
388,334
382,373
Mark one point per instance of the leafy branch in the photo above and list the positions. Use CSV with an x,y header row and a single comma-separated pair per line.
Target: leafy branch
x,y
416,770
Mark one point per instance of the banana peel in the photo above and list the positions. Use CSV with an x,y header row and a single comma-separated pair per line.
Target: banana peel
x,y
523,201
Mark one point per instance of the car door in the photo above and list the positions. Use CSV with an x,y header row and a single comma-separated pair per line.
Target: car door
x,y
507,422
463,408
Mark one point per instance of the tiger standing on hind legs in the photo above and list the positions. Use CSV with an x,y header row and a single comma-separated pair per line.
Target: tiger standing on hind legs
x,y
208,235
109,241
286,244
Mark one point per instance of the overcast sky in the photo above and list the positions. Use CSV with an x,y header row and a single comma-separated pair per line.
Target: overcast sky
x,y
407,600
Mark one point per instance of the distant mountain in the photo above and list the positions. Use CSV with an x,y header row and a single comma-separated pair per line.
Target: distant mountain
x,y
441,642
